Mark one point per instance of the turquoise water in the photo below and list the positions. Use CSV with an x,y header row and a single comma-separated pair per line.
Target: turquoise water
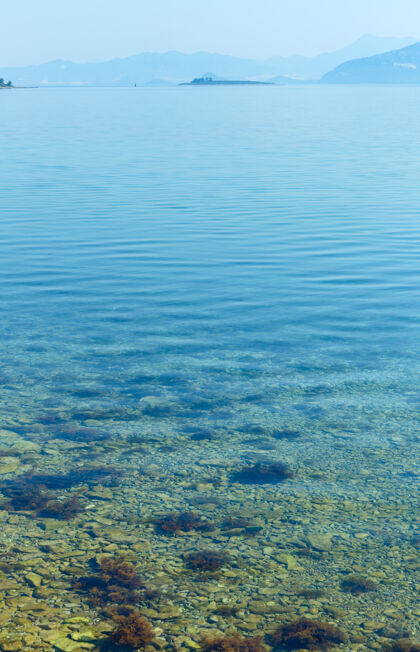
x,y
237,261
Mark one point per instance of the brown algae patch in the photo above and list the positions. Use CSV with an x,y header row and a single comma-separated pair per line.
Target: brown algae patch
x,y
177,522
116,582
263,473
307,634
357,585
132,632
207,560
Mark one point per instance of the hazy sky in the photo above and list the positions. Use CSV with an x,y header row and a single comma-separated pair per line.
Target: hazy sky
x,y
34,31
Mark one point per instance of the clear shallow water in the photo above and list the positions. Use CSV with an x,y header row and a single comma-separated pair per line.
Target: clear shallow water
x,y
240,240
236,259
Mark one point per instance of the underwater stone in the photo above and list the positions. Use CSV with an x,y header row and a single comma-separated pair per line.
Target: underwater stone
x,y
11,645
34,579
9,464
25,445
191,645
67,645
320,542
157,406
290,562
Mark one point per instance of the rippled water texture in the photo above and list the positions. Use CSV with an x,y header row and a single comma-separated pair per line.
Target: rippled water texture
x,y
187,275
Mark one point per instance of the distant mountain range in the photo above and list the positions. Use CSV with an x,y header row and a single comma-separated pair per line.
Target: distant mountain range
x,y
396,67
315,67
176,67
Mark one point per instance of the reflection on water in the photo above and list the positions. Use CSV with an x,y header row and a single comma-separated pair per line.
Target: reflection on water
x,y
210,355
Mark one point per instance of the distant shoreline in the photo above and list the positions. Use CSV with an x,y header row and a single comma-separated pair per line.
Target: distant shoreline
x,y
215,82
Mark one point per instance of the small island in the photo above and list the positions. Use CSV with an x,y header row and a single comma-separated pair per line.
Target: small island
x,y
208,80
4,85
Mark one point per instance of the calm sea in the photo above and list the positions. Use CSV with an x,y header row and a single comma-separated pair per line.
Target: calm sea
x,y
204,269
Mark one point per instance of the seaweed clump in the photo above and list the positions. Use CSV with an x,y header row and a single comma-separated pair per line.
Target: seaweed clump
x,y
312,594
207,560
63,510
203,435
117,582
81,434
37,499
41,482
89,475
287,434
227,610
117,570
263,473
356,585
132,631
22,498
308,634
177,522
233,644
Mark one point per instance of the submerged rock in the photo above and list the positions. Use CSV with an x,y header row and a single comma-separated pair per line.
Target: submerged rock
x,y
321,542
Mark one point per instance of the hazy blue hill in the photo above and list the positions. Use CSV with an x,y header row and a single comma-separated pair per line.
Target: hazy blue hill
x,y
316,67
176,67
283,80
395,67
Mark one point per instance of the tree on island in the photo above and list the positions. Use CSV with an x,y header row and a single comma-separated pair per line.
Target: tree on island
x,y
3,83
